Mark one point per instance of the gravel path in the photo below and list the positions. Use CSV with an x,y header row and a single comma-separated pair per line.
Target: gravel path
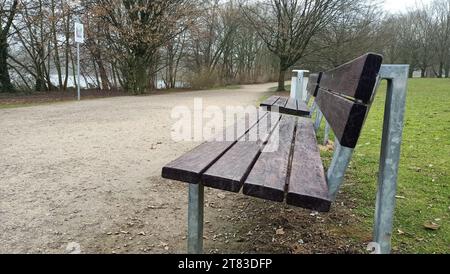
x,y
89,173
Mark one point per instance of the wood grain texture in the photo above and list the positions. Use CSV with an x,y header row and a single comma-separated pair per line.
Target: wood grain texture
x,y
231,170
307,183
285,105
313,84
189,167
291,105
268,178
355,79
295,108
345,117
270,101
280,103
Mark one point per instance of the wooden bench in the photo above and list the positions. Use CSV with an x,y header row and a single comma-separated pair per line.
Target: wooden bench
x,y
293,172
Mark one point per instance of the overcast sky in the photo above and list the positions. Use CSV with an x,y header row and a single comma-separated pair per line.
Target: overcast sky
x,y
402,5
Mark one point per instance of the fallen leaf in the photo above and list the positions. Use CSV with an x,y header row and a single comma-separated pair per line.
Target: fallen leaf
x,y
431,226
400,197
401,232
280,231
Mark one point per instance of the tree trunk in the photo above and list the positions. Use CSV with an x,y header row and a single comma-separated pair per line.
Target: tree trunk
x,y
447,72
441,68
5,79
281,80
106,85
411,72
113,69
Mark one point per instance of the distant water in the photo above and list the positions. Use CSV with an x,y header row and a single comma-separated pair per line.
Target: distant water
x,y
91,83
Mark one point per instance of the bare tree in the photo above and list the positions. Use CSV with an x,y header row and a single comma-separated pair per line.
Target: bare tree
x,y
8,11
136,31
353,32
287,26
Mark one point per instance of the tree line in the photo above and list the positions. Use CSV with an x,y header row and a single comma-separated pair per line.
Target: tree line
x,y
138,45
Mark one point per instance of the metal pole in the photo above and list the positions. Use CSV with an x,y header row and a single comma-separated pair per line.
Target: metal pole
x,y
319,117
294,85
300,91
78,71
195,219
397,76
336,172
326,137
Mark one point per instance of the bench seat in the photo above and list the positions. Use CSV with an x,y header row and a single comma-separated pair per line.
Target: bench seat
x,y
286,105
282,164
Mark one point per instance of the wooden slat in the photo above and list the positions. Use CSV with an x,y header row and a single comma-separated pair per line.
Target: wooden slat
x,y
307,184
189,167
281,103
230,171
268,178
313,83
288,106
355,79
345,117
291,105
303,109
295,108
270,101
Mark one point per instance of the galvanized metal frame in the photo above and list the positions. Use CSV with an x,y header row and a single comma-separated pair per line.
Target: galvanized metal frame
x,y
298,90
195,218
397,77
326,137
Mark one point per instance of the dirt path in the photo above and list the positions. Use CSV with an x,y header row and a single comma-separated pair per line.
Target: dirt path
x,y
89,173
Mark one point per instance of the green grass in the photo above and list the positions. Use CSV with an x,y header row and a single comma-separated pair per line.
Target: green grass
x,y
286,87
424,175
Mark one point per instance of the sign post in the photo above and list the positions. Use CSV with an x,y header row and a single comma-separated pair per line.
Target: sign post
x,y
298,89
79,39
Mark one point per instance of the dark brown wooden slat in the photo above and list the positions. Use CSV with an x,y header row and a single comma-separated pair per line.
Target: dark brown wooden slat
x,y
270,101
303,109
189,167
230,171
281,103
345,117
268,178
313,83
355,79
291,105
295,108
307,184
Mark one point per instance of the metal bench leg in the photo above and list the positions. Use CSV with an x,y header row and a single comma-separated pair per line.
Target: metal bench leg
x,y
336,172
308,98
327,134
397,76
313,109
319,117
195,219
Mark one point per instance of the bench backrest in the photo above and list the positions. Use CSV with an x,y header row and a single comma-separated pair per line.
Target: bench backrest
x,y
344,95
